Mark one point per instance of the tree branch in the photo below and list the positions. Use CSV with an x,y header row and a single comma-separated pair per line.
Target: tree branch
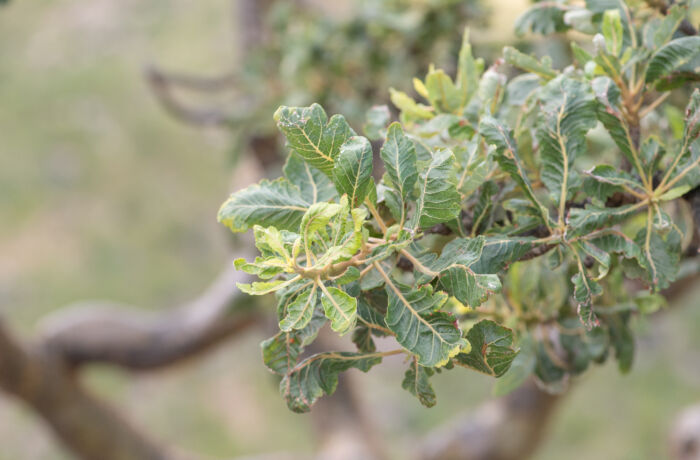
x,y
103,332
86,426
507,428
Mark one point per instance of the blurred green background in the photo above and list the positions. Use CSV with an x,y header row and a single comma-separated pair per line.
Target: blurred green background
x,y
103,195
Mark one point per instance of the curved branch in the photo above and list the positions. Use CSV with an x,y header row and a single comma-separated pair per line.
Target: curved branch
x,y
87,426
507,428
103,332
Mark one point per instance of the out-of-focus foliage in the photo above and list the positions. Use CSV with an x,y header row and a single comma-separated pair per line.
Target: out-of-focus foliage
x,y
485,230
345,61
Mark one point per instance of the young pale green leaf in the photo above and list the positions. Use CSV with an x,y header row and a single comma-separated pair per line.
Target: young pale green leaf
x,y
314,185
491,349
612,31
443,95
454,268
542,18
352,173
468,72
300,311
312,135
318,374
543,68
438,198
567,113
410,109
270,203
499,135
340,309
399,156
670,58
265,287
416,381
270,242
413,315
316,218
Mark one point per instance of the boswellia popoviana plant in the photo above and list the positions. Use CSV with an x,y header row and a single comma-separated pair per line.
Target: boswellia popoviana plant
x,y
518,224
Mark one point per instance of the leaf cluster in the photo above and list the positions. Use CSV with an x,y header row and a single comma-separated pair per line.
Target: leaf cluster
x,y
497,237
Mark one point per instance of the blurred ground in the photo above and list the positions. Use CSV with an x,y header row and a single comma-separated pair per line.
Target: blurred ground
x,y
103,196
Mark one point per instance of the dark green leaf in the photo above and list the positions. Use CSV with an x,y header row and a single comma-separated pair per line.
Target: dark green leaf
x,y
311,135
413,315
352,173
416,381
491,348
271,203
313,377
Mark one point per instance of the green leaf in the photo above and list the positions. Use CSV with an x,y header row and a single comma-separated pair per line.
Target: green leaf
x,y
318,374
617,242
661,255
543,18
442,92
340,309
312,136
316,218
585,290
499,252
468,71
670,58
417,382
603,181
622,339
264,287
612,31
362,338
521,368
528,63
456,275
377,119
491,349
473,166
691,132
399,156
314,185
483,207
610,114
300,311
352,173
664,30
438,199
269,203
585,220
410,109
413,315
281,352
497,134
567,113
